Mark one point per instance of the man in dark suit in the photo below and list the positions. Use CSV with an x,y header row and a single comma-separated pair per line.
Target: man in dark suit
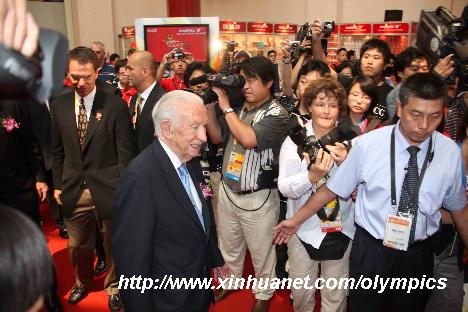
x,y
92,143
142,75
22,171
163,224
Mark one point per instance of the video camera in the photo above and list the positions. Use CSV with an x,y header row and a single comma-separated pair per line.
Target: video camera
x,y
217,80
441,33
345,131
38,77
305,32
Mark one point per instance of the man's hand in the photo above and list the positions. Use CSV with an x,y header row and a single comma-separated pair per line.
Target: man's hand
x,y
42,189
445,66
222,272
316,30
284,231
188,58
223,99
322,165
57,196
338,152
306,44
18,30
167,59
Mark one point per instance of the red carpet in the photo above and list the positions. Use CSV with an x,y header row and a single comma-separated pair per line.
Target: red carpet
x,y
96,300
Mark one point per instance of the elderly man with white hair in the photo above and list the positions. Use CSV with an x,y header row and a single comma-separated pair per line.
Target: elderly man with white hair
x,y
163,225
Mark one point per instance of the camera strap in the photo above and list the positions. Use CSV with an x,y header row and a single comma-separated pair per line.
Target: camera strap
x,y
427,160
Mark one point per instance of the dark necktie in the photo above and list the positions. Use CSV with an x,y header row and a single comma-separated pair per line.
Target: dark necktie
x,y
408,201
82,122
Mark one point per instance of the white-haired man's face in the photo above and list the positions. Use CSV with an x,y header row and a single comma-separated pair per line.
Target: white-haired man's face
x,y
186,135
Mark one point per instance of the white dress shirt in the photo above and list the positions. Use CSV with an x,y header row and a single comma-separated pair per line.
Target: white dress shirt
x,y
293,182
145,94
368,167
176,163
88,103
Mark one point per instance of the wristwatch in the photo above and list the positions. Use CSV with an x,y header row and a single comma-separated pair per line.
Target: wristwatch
x,y
227,111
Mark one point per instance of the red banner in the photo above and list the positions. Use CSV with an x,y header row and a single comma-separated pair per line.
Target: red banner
x,y
230,26
259,27
356,29
391,28
161,39
414,27
285,28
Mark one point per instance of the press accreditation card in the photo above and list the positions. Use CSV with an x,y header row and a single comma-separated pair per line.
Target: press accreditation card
x,y
397,232
329,226
234,167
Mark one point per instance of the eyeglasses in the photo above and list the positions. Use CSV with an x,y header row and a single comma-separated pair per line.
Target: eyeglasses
x,y
361,96
123,75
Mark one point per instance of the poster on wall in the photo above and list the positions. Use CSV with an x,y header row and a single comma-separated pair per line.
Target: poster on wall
x,y
161,39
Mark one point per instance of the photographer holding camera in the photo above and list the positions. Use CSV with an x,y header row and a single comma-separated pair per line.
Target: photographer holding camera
x,y
178,60
248,200
323,239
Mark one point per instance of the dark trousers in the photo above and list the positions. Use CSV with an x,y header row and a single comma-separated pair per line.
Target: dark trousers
x,y
24,199
370,258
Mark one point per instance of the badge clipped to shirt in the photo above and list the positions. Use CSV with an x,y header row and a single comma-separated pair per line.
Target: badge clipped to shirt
x,y
333,224
234,167
397,232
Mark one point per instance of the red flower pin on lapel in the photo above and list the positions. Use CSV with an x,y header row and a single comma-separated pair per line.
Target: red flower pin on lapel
x,y
98,116
9,124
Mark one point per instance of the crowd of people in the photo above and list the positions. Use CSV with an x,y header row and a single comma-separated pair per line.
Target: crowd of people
x,y
160,170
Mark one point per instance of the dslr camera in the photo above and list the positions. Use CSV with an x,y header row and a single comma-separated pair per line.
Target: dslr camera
x,y
345,131
178,54
217,80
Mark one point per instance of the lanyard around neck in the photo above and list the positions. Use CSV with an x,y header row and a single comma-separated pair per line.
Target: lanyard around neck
x,y
429,156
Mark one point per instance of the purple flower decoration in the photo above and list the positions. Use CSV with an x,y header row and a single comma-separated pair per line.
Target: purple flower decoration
x,y
206,190
9,124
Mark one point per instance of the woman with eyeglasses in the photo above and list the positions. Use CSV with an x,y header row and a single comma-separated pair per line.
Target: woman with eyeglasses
x,y
363,96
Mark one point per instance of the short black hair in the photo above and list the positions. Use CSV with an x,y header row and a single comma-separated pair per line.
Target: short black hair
x,y
25,262
83,55
316,65
427,86
350,53
407,56
113,56
261,67
341,49
271,51
343,65
204,67
119,64
369,87
378,44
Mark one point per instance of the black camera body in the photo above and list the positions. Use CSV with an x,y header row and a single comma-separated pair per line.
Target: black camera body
x,y
39,77
345,131
439,34
217,80
178,54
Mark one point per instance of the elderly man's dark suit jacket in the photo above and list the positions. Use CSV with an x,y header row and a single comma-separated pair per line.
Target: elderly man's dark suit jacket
x,y
156,232
21,162
144,127
108,148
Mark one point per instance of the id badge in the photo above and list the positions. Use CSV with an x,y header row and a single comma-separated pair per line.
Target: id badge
x,y
397,232
328,226
234,167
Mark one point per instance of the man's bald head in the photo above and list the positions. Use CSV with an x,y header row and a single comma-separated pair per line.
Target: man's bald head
x,y
145,59
141,70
